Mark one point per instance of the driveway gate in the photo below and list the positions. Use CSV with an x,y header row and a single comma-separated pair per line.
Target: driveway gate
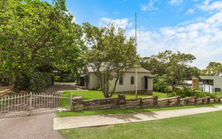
x,y
35,102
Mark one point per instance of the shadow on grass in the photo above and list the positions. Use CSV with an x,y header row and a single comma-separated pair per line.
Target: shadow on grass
x,y
131,116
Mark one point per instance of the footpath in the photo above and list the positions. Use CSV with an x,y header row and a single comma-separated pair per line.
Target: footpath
x,y
103,120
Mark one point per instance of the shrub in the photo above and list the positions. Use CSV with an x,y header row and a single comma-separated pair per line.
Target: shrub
x,y
160,85
65,78
33,81
187,92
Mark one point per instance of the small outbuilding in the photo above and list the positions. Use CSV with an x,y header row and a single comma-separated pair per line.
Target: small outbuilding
x,y
215,81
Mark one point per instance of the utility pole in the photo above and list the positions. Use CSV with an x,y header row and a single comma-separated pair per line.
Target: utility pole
x,y
136,52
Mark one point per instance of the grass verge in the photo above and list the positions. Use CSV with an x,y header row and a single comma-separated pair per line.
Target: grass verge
x,y
119,111
200,126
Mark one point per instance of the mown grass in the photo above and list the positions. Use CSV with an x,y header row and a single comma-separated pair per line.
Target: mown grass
x,y
200,126
91,94
120,111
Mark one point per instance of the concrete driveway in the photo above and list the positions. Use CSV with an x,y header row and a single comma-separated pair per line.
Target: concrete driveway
x,y
32,127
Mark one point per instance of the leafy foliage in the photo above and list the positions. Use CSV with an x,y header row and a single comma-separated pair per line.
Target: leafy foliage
x,y
111,55
34,33
213,69
64,77
33,81
172,67
159,84
187,92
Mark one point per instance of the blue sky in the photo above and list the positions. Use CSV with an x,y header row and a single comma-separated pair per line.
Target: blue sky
x,y
189,26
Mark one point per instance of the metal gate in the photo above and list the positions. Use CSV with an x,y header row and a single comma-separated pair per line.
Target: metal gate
x,y
30,103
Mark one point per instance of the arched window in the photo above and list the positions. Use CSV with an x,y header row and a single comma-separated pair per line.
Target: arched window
x,y
121,80
132,80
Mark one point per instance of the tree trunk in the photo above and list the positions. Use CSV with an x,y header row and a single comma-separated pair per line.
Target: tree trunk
x,y
173,87
13,80
114,88
3,4
106,94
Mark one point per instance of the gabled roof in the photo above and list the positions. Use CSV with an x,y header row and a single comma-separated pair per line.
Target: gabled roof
x,y
143,70
139,70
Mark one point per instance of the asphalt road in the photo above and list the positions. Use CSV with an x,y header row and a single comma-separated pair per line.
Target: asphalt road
x,y
32,127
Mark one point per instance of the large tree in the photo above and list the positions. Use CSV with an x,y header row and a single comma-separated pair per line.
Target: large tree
x,y
111,54
35,34
213,69
172,67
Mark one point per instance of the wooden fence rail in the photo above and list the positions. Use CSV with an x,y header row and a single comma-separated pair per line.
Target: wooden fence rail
x,y
34,102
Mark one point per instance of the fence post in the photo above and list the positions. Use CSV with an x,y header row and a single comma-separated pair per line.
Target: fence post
x,y
71,102
30,103
155,101
178,101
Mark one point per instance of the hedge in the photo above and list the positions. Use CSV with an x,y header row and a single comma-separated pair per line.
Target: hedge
x,y
34,81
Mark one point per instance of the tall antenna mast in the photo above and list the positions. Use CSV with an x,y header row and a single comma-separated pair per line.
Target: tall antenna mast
x,y
136,51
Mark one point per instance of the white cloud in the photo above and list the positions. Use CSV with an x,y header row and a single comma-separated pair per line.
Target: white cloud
x,y
200,37
175,2
116,12
70,13
149,6
73,19
123,23
167,31
189,12
199,19
205,6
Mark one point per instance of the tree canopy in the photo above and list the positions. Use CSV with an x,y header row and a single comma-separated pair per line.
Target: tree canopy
x,y
35,34
213,69
172,67
111,54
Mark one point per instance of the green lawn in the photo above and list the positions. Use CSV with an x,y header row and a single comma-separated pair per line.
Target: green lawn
x,y
119,111
201,126
88,94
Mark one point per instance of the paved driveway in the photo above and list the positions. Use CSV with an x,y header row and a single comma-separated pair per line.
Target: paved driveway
x,y
60,87
32,127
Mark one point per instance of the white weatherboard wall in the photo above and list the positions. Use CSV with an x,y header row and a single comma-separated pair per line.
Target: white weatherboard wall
x,y
93,81
217,80
140,82
150,83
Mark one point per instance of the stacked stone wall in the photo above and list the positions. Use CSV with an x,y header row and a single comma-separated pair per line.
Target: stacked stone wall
x,y
147,102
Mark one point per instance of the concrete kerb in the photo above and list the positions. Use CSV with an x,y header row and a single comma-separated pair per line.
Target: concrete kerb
x,y
104,120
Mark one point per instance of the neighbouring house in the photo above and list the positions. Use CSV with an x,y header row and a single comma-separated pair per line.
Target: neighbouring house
x,y
215,81
125,84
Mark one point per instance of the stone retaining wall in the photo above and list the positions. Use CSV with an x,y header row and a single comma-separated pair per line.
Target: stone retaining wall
x,y
147,102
